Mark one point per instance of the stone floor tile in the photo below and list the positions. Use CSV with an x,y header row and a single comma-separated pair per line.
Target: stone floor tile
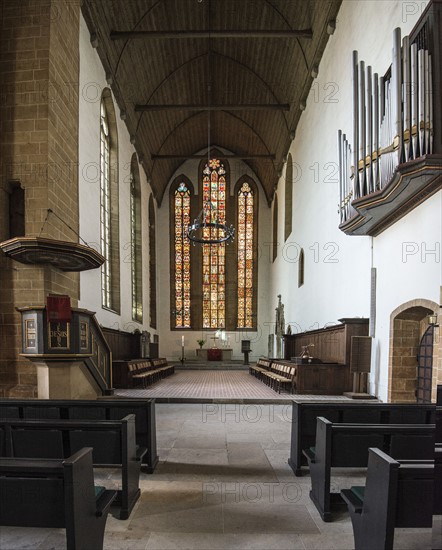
x,y
203,541
267,517
328,542
25,537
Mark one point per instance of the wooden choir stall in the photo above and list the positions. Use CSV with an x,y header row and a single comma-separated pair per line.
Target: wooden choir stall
x,y
325,364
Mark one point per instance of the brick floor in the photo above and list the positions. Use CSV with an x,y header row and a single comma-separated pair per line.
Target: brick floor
x,y
216,385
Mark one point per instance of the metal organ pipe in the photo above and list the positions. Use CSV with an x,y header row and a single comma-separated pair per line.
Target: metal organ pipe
x,y
392,121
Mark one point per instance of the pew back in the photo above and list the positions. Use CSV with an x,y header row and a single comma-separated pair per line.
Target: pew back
x,y
304,417
113,444
100,409
55,493
395,495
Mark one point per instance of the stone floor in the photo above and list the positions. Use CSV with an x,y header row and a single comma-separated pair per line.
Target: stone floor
x,y
222,483
190,386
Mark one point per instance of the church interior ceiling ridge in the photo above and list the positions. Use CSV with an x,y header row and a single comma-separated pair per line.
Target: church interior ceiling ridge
x,y
247,66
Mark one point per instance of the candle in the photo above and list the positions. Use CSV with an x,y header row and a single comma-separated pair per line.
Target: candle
x,y
182,341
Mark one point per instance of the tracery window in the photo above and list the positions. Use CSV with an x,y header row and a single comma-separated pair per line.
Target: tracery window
x,y
288,198
152,265
214,255
109,204
182,256
245,228
105,207
201,273
135,241
275,229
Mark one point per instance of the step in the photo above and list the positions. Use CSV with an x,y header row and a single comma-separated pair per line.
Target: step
x,y
211,365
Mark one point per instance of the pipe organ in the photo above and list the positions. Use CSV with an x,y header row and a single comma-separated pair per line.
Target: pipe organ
x,y
392,120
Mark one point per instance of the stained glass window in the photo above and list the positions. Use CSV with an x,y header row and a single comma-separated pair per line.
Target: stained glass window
x,y
245,256
182,256
214,255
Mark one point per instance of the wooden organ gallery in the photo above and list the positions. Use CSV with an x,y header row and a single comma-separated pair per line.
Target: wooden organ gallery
x,y
393,125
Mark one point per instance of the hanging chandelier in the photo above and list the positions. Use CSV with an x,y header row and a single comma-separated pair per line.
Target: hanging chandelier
x,y
208,227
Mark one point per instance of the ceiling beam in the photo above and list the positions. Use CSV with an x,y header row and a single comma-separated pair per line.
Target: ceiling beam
x,y
185,157
202,107
126,35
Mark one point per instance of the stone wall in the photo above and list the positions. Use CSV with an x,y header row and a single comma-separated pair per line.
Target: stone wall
x,y
39,150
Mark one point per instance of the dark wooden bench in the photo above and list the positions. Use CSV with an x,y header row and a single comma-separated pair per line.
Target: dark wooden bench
x,y
100,409
140,372
262,365
276,374
113,443
56,493
304,421
395,495
281,375
346,446
438,422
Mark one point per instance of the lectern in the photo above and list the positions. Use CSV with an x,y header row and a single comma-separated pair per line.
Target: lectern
x,y
245,348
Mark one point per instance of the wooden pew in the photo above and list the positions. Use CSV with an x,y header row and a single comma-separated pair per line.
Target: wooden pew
x,y
113,443
395,495
346,446
144,372
304,420
280,374
56,493
274,373
100,409
263,364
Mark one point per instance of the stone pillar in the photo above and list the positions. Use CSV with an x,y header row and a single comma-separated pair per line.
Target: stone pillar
x,y
65,380
39,152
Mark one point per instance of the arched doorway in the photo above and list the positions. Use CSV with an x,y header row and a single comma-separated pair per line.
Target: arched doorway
x,y
412,342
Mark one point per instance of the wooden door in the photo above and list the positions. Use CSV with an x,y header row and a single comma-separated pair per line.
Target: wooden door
x,y
425,366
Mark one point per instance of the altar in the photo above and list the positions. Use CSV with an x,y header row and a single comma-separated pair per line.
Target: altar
x,y
214,354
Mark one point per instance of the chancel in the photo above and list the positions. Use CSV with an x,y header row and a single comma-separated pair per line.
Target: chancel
x,y
220,262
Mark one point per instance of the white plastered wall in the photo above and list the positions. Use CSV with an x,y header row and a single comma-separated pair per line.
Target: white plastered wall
x,y
337,267
92,83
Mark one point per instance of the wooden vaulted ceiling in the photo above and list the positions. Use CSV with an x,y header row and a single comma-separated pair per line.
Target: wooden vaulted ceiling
x,y
242,68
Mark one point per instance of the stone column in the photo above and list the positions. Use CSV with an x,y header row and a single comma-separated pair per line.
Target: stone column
x,y
39,152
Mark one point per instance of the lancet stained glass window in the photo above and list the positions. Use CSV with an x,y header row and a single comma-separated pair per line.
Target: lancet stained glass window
x,y
182,257
214,255
245,256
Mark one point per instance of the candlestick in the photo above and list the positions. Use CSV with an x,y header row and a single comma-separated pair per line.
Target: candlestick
x,y
182,340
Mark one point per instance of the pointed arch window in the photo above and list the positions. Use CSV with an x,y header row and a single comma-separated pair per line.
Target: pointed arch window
x,y
288,198
152,265
109,205
135,241
301,267
105,209
246,206
275,228
181,209
214,186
